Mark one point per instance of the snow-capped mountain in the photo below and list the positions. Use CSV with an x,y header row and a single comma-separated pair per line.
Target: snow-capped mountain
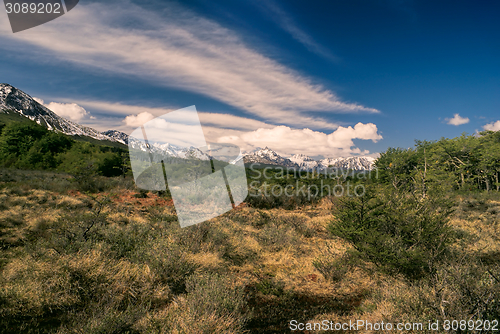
x,y
303,162
354,163
13,100
193,153
117,136
270,157
167,149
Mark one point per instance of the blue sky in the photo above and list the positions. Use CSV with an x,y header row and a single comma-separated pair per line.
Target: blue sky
x,y
323,78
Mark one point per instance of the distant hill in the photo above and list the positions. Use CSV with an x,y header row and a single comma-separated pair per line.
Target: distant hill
x,y
16,105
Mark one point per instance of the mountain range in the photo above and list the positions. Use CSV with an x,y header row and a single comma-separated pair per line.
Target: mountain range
x,y
267,156
13,101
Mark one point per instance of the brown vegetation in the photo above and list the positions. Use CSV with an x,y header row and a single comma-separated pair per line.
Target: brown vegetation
x,y
117,262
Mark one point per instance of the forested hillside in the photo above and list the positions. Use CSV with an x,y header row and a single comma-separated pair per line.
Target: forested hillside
x,y
27,145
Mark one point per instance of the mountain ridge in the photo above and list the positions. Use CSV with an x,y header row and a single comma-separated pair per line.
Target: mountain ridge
x,y
15,100
300,161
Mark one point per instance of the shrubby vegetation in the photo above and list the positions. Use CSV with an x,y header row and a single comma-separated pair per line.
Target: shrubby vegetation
x,y
398,231
282,187
416,225
27,145
82,250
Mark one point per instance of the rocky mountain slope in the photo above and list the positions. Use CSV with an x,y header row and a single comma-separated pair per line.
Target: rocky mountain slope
x,y
116,135
13,100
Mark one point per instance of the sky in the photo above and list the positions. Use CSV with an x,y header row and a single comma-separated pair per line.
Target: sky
x,y
321,78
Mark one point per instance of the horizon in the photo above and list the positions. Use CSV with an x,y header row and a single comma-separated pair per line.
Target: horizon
x,y
291,76
291,157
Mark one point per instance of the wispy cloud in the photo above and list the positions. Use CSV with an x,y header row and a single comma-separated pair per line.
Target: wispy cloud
x,y
457,120
122,111
286,23
184,51
495,126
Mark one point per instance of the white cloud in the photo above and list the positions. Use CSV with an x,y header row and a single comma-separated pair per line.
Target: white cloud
x,y
71,111
231,122
457,120
181,50
288,141
342,137
138,120
68,110
495,126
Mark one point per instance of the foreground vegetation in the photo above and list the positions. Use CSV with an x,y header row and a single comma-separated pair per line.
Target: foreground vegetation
x,y
116,261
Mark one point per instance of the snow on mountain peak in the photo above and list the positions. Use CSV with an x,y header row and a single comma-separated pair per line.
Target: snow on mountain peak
x,y
304,162
117,136
13,100
299,158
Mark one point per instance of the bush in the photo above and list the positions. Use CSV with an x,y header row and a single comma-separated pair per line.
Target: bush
x,y
398,231
459,289
110,164
87,179
270,286
169,261
85,292
278,237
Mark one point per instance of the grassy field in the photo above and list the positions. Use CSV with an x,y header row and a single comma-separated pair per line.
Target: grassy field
x,y
116,261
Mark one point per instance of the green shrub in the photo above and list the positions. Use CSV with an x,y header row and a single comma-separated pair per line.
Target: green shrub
x,y
396,230
270,286
88,179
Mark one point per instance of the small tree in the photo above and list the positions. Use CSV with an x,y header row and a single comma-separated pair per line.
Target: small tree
x,y
397,230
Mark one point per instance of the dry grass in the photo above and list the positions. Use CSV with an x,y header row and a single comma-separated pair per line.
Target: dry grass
x,y
68,267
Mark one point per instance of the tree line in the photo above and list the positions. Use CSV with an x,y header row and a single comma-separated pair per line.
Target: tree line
x,y
468,162
27,145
